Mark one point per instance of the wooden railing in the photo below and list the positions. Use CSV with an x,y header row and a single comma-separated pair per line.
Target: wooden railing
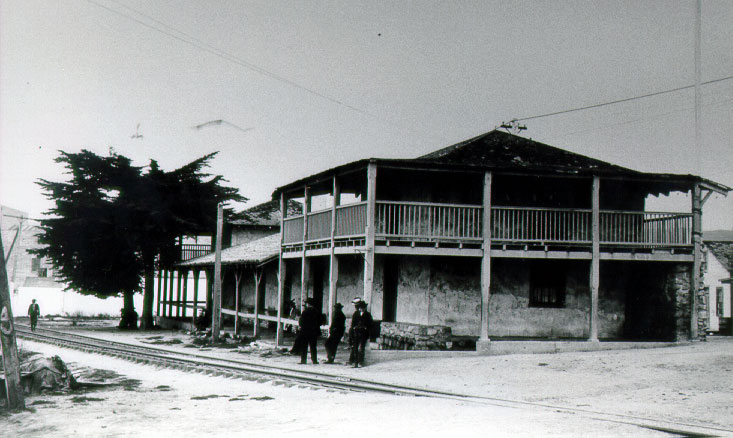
x,y
319,225
191,251
648,228
293,229
520,224
351,219
455,222
427,220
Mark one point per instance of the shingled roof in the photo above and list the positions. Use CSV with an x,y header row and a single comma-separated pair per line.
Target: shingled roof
x,y
503,150
266,214
254,252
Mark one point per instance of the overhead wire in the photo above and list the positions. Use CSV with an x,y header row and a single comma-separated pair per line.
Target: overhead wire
x,y
628,99
202,45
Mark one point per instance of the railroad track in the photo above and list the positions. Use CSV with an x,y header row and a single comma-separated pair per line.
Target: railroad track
x,y
192,362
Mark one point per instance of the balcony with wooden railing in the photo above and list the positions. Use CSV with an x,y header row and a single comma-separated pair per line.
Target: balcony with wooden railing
x,y
459,224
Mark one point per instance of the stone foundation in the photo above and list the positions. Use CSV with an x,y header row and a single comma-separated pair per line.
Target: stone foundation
x,y
406,336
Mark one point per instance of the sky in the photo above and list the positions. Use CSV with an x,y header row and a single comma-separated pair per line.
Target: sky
x,y
306,86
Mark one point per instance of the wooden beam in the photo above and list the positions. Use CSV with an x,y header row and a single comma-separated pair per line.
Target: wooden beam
x,y
370,231
539,254
184,274
11,363
196,274
333,261
486,257
426,251
257,278
160,279
171,283
305,266
697,256
216,311
280,273
237,279
595,258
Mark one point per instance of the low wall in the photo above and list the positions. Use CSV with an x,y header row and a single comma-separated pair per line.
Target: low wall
x,y
406,336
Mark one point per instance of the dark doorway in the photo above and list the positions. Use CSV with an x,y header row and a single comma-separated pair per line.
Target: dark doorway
x,y
261,288
318,270
390,281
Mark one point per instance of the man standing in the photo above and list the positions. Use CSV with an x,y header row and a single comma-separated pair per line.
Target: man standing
x,y
33,311
361,325
335,332
310,330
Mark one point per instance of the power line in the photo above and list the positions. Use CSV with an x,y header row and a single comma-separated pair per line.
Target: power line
x,y
598,105
202,45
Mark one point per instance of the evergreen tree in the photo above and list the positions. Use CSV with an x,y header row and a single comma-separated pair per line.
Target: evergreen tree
x,y
112,219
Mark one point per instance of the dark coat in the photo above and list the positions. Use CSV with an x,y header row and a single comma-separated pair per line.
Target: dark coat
x,y
338,325
361,325
310,323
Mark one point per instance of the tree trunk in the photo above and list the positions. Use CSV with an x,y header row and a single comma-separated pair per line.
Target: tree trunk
x,y
129,316
149,294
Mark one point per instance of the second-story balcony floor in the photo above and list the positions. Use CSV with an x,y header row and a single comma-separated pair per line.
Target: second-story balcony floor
x,y
454,229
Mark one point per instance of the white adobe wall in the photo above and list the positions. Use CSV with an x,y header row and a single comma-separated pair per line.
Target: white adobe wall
x,y
711,279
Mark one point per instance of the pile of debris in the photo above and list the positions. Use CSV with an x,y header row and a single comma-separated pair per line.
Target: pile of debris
x,y
39,374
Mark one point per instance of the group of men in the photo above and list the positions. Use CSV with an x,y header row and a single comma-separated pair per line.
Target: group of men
x,y
310,329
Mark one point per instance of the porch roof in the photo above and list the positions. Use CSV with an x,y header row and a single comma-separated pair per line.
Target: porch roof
x,y
504,152
266,214
255,252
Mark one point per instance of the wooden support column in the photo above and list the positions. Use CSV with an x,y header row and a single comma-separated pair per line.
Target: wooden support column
x,y
10,361
370,231
216,310
184,274
595,258
281,273
697,256
333,260
258,277
171,284
305,263
160,280
178,293
237,279
486,259
196,273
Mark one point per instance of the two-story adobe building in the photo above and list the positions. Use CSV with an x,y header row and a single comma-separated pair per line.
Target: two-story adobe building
x,y
500,236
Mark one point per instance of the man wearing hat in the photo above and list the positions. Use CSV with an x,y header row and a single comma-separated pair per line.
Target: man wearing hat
x,y
310,330
361,325
335,332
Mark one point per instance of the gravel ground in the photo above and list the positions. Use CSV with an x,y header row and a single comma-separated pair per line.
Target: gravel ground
x,y
607,393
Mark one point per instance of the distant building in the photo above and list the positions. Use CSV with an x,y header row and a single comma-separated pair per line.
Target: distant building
x,y
19,234
719,268
32,276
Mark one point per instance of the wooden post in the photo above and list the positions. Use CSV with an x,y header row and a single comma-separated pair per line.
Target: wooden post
x,y
256,328
196,274
370,231
333,261
237,279
486,259
216,311
178,293
160,280
280,273
171,283
305,265
697,256
595,258
11,364
184,274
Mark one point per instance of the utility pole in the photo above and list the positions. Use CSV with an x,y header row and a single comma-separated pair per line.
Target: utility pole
x,y
13,388
216,311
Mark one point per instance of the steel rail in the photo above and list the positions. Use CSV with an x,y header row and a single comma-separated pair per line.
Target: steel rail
x,y
248,370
